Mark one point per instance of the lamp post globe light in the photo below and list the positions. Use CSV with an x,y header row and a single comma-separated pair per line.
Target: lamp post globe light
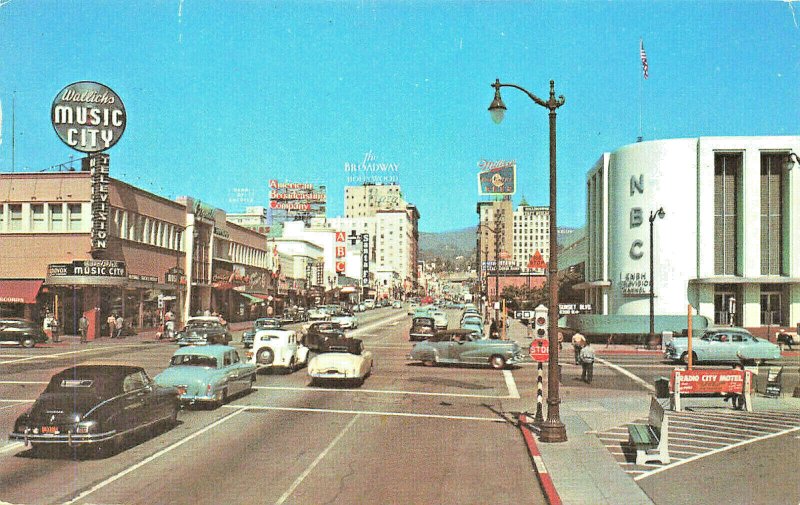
x,y
552,430
653,215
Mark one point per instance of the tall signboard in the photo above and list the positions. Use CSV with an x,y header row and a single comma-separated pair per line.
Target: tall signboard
x,y
365,259
497,178
341,251
290,201
90,117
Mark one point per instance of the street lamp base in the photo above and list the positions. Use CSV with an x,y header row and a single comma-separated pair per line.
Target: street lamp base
x,y
553,431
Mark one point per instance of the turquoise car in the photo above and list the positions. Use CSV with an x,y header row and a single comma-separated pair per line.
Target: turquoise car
x,y
208,374
726,345
460,346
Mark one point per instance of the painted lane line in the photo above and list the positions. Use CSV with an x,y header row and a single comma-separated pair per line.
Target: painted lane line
x,y
376,324
18,401
12,447
367,413
316,461
379,391
24,382
157,455
628,374
715,451
59,355
511,385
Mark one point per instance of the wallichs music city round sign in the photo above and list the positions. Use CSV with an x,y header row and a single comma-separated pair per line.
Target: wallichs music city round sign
x,y
88,116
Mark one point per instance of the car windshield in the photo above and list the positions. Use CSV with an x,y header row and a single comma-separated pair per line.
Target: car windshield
x,y
266,323
194,360
198,325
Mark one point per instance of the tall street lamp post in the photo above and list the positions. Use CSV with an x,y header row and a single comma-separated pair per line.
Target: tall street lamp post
x,y
653,215
553,430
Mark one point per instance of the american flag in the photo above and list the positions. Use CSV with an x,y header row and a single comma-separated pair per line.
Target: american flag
x,y
643,55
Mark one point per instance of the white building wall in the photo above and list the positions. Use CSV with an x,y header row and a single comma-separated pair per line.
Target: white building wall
x,y
678,174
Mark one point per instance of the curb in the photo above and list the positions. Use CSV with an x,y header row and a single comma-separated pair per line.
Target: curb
x,y
644,352
545,481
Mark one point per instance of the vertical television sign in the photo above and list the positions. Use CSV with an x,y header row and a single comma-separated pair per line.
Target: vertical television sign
x,y
98,169
365,259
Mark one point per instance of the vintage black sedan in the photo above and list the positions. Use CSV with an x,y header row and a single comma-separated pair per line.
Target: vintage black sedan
x,y
91,405
21,331
203,330
262,323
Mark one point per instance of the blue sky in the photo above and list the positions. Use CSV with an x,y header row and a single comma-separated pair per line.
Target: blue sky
x,y
226,95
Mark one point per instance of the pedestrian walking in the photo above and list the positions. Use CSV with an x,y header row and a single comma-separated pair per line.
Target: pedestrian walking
x,y
610,340
586,358
112,324
578,342
493,329
83,328
119,324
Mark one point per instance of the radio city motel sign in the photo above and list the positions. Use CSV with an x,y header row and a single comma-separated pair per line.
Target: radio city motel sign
x,y
89,117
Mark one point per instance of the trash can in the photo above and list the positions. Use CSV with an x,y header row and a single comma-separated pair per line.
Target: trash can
x,y
662,387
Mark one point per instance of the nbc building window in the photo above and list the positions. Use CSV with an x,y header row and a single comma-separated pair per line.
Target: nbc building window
x,y
773,234
727,177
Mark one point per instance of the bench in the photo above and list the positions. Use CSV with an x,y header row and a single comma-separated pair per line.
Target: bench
x,y
651,440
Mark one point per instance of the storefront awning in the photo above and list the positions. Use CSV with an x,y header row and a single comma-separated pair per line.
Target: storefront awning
x,y
253,299
19,291
348,289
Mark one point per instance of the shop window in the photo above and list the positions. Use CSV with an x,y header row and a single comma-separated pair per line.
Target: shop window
x,y
15,217
75,216
38,222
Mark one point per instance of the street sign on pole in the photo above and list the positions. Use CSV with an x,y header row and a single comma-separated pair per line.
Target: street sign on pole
x,y
540,350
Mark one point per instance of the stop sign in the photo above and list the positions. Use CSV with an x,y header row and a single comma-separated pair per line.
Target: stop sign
x,y
540,350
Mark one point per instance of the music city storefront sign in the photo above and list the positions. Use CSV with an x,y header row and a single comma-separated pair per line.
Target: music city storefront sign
x,y
87,272
88,116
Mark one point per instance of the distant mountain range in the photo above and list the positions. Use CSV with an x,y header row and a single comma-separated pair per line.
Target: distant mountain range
x,y
451,244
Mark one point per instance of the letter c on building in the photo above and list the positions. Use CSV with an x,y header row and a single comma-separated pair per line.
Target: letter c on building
x,y
636,249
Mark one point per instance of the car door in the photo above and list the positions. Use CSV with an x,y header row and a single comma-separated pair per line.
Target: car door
x,y
242,370
231,373
135,402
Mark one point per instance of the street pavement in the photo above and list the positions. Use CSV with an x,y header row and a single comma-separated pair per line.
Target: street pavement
x,y
410,434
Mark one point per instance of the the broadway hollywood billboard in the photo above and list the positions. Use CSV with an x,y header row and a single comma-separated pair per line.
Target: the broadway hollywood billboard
x,y
88,116
497,177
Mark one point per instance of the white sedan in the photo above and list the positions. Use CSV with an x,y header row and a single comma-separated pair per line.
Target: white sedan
x,y
347,321
341,359
439,319
277,349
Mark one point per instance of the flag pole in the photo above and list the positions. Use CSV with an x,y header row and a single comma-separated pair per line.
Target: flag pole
x,y
641,85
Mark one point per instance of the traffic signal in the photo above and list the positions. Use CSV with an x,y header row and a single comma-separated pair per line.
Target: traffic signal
x,y
540,326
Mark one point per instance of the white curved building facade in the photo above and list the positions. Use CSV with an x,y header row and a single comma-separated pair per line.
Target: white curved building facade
x,y
729,241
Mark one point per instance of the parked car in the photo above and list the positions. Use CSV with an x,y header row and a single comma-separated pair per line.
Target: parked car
x,y
346,320
315,333
341,359
439,319
397,304
723,345
412,309
202,331
278,349
369,303
208,374
262,323
317,314
357,307
96,405
421,328
476,328
421,312
471,318
460,346
21,332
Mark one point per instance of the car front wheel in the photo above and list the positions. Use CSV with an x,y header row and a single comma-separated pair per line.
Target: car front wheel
x,y
28,342
497,362
685,358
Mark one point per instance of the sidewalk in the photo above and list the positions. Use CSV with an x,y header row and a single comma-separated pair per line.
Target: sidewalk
x,y
147,335
581,471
